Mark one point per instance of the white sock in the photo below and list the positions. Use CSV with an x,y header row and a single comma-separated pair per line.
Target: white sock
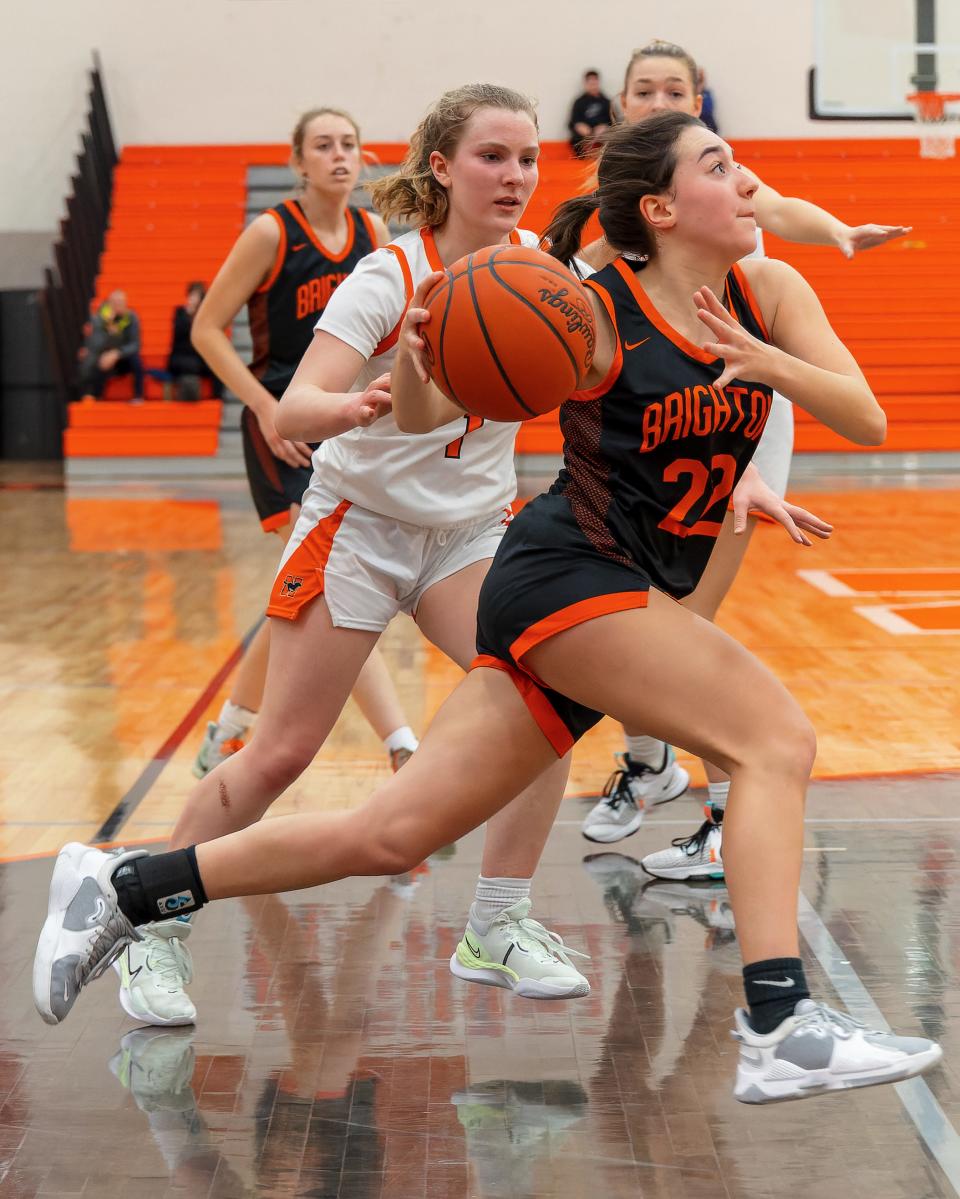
x,y
234,720
717,795
401,738
495,895
648,750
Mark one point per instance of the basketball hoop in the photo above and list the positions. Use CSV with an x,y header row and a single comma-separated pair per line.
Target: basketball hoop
x,y
934,123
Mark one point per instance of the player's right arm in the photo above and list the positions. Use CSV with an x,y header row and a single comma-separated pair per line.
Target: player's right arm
x,y
246,267
318,403
355,326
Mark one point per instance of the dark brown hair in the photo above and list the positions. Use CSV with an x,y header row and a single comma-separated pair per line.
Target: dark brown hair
x,y
414,191
659,49
636,161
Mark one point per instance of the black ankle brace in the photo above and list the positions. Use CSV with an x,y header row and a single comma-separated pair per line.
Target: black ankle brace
x,y
160,886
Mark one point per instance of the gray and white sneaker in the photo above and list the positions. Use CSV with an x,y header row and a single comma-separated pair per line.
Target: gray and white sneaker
x,y
628,792
818,1049
84,930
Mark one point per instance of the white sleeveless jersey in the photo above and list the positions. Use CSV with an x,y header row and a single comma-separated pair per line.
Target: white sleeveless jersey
x,y
449,478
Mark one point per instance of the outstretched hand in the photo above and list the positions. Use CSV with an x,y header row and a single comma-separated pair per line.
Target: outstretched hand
x,y
752,494
412,341
743,354
864,237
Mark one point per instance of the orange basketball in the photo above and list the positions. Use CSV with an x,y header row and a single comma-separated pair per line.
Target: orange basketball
x,y
511,333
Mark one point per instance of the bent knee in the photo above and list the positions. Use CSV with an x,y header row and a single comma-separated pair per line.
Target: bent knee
x,y
396,846
790,746
279,763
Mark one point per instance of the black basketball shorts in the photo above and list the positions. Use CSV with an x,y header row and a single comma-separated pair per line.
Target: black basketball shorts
x,y
274,485
548,577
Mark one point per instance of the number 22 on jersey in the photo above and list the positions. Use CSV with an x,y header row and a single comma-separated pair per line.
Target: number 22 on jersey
x,y
722,471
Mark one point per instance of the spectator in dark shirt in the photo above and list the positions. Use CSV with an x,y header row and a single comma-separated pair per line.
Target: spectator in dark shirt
x,y
185,365
589,117
112,347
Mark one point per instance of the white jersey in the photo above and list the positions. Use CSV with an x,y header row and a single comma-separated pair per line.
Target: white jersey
x,y
448,478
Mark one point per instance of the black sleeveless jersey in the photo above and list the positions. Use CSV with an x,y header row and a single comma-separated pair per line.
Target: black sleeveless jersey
x,y
287,306
652,454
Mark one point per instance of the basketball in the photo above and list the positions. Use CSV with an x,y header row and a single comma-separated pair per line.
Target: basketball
x,y
511,333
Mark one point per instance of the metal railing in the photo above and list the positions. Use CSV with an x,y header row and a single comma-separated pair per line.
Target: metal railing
x,y
68,285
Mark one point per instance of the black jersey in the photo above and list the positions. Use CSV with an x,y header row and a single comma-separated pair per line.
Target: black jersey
x,y
652,454
285,309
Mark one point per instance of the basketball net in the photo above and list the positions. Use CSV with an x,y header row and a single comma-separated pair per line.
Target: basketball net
x,y
935,126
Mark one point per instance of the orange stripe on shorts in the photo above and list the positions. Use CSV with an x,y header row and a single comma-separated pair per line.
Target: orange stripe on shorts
x,y
301,577
540,708
574,614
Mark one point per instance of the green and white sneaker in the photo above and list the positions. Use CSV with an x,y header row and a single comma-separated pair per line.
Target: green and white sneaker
x,y
521,955
156,1068
153,973
513,1129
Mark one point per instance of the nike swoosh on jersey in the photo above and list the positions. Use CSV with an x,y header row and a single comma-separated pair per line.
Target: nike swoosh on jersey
x,y
299,246
632,345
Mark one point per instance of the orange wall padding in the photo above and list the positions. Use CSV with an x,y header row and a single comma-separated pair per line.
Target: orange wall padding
x,y
177,210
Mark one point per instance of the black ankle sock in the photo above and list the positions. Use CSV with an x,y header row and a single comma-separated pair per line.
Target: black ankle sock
x,y
159,886
773,989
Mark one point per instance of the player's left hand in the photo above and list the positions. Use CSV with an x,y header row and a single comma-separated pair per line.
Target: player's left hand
x,y
743,354
752,494
856,238
412,343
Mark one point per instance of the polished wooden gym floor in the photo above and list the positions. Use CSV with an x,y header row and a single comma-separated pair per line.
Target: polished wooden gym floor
x,y
334,1054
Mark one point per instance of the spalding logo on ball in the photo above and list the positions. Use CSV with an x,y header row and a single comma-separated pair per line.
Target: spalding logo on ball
x,y
511,333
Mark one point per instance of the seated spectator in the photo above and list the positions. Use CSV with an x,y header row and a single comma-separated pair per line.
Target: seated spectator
x,y
707,114
185,366
589,117
112,347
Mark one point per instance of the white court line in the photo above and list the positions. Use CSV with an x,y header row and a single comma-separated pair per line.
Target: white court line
x,y
888,618
827,582
928,1116
824,581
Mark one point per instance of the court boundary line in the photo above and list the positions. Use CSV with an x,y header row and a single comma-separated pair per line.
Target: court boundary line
x,y
140,788
931,1122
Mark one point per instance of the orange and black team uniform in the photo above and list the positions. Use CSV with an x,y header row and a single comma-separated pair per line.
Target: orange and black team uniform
x,y
651,456
283,313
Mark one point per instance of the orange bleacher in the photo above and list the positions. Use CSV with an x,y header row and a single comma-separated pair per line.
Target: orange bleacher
x,y
177,210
